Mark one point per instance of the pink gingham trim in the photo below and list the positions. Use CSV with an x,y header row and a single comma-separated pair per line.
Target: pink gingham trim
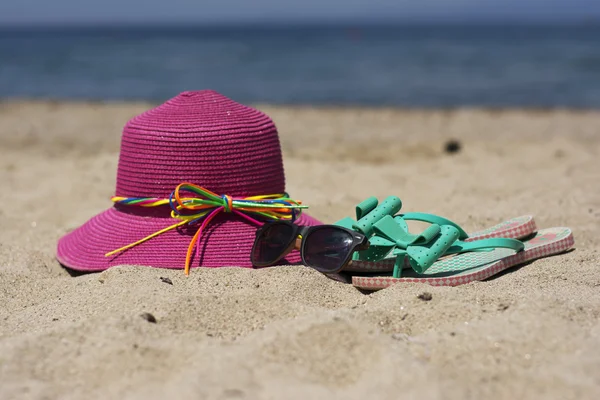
x,y
515,232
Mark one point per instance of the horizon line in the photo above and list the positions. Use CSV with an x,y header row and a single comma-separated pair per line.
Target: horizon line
x,y
321,22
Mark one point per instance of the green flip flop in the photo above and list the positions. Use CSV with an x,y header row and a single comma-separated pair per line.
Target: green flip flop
x,y
375,259
469,266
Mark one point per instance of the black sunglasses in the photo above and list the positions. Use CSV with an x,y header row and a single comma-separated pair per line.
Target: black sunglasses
x,y
326,248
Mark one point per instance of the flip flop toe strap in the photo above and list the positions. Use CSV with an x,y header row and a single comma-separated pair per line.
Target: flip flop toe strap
x,y
486,245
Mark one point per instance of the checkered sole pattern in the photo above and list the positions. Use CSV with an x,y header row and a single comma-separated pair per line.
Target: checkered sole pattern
x,y
515,228
547,242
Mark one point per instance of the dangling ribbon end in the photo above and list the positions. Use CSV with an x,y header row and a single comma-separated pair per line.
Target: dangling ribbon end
x,y
110,253
294,215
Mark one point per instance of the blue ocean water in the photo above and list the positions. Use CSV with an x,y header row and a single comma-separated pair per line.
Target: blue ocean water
x,y
411,66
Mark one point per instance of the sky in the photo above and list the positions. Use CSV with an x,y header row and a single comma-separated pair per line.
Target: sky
x,y
28,12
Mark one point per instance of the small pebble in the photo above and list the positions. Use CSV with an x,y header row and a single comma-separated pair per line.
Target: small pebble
x,y
560,153
425,296
166,280
452,146
148,317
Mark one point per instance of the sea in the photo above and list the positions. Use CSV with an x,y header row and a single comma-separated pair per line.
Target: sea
x,y
418,65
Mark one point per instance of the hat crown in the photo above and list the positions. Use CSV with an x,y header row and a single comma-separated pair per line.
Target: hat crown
x,y
204,138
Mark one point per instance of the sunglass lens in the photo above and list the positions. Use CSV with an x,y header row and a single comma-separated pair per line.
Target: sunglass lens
x,y
326,249
271,243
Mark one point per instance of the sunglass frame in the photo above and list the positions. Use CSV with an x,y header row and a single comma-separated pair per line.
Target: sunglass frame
x,y
359,242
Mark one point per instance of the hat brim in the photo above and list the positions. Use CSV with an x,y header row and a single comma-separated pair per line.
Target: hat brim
x,y
226,241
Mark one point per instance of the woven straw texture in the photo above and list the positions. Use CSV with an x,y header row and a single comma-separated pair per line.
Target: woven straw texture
x,y
202,138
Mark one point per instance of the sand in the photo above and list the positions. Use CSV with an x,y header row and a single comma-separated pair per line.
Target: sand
x,y
290,332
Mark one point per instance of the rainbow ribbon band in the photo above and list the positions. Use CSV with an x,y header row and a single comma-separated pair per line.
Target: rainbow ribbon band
x,y
190,210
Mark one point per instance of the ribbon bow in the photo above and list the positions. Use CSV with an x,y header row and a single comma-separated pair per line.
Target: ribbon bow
x,y
190,210
422,250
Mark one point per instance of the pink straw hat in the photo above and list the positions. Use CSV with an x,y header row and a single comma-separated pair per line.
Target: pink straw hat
x,y
197,138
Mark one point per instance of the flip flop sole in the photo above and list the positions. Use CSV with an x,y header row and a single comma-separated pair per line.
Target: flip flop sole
x,y
476,266
515,228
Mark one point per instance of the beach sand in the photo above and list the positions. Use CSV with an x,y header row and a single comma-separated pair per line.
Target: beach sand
x,y
290,332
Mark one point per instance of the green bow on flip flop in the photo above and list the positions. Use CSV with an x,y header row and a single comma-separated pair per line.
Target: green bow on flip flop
x,y
389,236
